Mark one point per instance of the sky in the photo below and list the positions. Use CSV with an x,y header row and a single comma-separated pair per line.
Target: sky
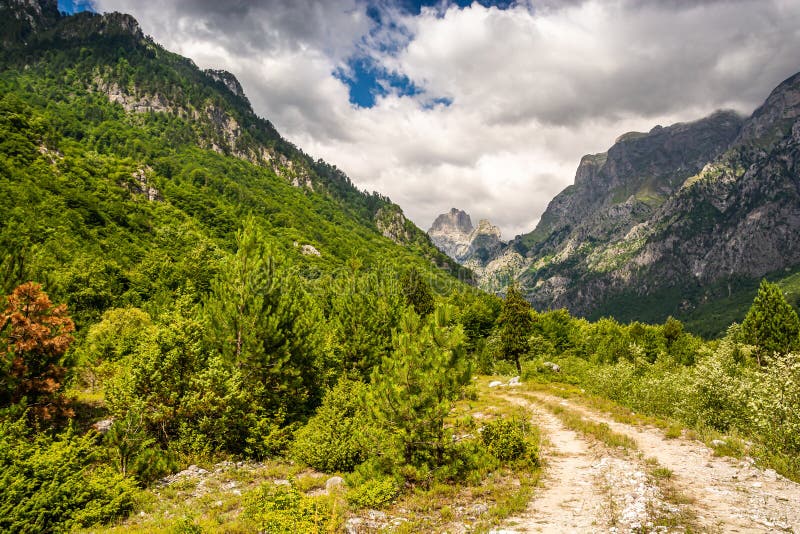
x,y
484,106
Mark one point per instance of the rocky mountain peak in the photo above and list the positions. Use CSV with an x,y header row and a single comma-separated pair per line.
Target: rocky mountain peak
x,y
454,221
454,234
228,80
775,117
486,228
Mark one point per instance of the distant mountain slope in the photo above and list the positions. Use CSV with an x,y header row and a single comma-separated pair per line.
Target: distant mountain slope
x,y
119,158
682,220
669,221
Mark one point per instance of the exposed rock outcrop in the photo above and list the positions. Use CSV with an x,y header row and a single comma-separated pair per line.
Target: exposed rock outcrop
x,y
454,234
673,213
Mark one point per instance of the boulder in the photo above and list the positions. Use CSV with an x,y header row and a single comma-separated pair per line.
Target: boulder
x,y
552,366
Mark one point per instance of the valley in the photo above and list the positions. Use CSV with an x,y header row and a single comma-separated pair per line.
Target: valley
x,y
203,328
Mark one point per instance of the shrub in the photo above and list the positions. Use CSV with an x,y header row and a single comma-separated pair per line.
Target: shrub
x,y
55,485
374,493
337,438
506,440
284,510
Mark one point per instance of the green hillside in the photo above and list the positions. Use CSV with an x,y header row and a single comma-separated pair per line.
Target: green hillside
x,y
129,206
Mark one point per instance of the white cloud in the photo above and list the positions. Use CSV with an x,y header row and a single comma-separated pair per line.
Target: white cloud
x,y
533,87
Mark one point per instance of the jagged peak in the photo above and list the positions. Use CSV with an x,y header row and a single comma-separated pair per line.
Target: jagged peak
x,y
485,227
775,115
455,220
228,79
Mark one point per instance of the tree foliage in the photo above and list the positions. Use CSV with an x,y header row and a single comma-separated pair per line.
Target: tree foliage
x,y
262,321
771,323
413,389
417,292
515,322
34,335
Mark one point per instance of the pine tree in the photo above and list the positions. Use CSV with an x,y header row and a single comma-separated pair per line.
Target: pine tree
x,y
417,292
515,323
413,389
34,335
363,309
263,322
771,323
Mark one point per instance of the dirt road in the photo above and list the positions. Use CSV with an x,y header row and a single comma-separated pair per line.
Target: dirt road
x,y
589,487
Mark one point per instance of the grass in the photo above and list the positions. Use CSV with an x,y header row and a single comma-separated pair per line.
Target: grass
x,y
599,431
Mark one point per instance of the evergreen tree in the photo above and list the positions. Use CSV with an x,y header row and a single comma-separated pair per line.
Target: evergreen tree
x,y
515,321
363,309
413,389
417,292
34,335
264,323
771,323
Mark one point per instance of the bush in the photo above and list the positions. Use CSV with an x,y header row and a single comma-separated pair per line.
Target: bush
x,y
506,440
284,510
56,485
374,493
338,437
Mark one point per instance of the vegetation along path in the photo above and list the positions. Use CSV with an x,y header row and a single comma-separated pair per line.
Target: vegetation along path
x,y
725,494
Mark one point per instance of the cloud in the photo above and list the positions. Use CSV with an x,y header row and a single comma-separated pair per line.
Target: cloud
x,y
531,87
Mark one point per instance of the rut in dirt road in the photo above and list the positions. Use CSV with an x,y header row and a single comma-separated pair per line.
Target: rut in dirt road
x,y
570,500
728,495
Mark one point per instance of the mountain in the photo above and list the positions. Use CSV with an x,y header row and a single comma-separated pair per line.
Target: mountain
x,y
125,167
682,220
480,249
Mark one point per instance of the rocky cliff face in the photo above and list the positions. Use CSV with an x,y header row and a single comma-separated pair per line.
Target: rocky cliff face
x,y
673,215
450,232
663,223
454,235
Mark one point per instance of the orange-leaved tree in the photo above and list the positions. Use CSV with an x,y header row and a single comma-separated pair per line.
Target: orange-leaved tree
x,y
34,335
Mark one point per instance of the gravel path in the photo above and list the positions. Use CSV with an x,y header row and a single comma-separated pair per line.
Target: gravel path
x,y
728,495
586,487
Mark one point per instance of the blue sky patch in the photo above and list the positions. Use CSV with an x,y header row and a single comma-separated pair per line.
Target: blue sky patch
x,y
367,80
75,6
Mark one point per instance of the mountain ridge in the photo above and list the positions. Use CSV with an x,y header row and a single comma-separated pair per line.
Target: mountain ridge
x,y
675,217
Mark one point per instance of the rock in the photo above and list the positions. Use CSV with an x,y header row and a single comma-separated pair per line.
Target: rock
x,y
514,381
376,515
334,483
718,443
353,525
495,383
476,248
309,250
552,366
104,425
393,224
477,509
